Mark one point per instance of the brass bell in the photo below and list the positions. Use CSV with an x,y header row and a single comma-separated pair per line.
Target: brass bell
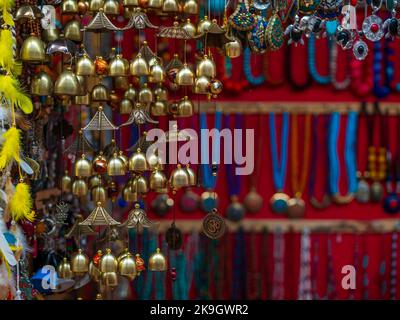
x,y
111,7
118,67
42,85
202,85
82,100
170,6
139,67
85,66
72,31
100,93
83,167
206,68
94,272
64,270
79,188
204,25
156,74
159,108
154,161
123,158
67,84
233,49
138,162
50,34
191,7
94,181
27,12
32,50
139,185
155,4
185,108
158,180
185,76
108,263
80,263
131,3
130,94
127,266
190,28
109,279
127,194
99,194
66,182
69,7
145,95
115,166
179,178
82,86
192,176
125,106
161,93
157,261
96,5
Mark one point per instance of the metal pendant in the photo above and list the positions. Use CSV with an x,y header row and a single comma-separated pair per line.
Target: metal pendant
x,y
189,201
214,225
295,32
372,28
162,204
296,208
209,201
279,202
376,191
274,33
253,201
174,237
320,205
256,36
339,199
235,211
391,28
363,191
391,203
241,19
360,50
261,4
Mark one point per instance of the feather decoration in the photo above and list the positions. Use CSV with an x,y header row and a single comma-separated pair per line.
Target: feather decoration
x,y
11,147
21,203
6,49
6,250
6,6
12,91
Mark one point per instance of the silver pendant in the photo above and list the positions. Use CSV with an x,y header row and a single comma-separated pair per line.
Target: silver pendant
x,y
372,28
363,191
360,50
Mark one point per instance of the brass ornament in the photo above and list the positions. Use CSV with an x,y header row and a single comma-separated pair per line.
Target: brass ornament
x,y
49,35
127,194
213,225
157,74
99,217
185,76
233,49
191,175
125,106
79,188
115,166
109,279
157,261
139,67
83,168
170,6
80,263
27,13
155,4
174,32
111,7
185,108
99,122
137,217
64,270
33,50
108,263
179,178
99,194
95,181
204,25
158,181
145,95
100,93
42,84
202,85
95,5
66,182
127,265
85,66
69,7
158,108
118,67
191,7
100,22
138,162
190,28
72,31
139,185
206,68
130,94
67,84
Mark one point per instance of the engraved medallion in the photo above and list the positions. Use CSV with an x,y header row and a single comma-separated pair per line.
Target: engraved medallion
x,y
279,202
213,225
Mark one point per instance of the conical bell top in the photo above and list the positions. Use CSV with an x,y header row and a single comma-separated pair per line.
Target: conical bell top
x,y
72,31
67,84
33,50
118,67
42,85
64,270
157,261
179,178
85,66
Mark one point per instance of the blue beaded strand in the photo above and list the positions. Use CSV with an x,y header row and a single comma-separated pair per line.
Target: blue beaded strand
x,y
312,65
255,81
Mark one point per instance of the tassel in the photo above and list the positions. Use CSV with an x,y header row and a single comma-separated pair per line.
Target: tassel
x,y
6,49
21,203
12,91
11,147
6,6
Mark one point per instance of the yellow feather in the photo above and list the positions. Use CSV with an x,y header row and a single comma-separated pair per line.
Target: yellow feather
x,y
11,147
12,91
6,49
21,203
6,6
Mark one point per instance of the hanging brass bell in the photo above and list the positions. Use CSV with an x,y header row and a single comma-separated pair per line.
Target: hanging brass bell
x,y
139,67
64,270
145,95
125,106
69,7
127,266
42,85
138,162
111,8
185,76
80,263
191,7
154,161
190,28
131,3
130,94
139,185
233,49
99,194
123,158
100,93
115,166
82,100
161,93
32,50
83,167
206,68
67,84
50,34
82,86
156,74
96,5
94,181
85,66
72,31
185,108
109,279
202,85
204,25
127,194
79,188
94,272
155,4
66,182
108,263
179,178
118,67
158,180
26,13
158,108
157,261
170,6
192,176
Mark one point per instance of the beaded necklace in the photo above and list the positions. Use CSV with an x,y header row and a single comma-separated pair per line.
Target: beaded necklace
x,y
381,86
312,63
365,264
278,280
314,270
253,80
382,269
333,68
331,287
305,289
